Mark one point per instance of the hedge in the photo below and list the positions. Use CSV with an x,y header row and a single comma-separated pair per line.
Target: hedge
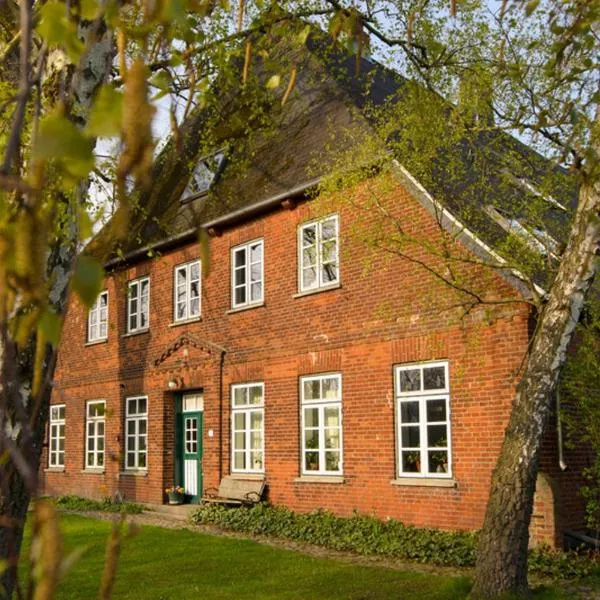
x,y
78,503
370,536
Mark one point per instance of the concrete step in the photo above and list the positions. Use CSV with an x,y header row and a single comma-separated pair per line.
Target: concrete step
x,y
179,512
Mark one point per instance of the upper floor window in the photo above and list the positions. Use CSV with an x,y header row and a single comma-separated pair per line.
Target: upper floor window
x,y
136,432
56,455
318,243
247,274
138,305
423,417
204,175
247,427
187,291
98,319
95,434
321,400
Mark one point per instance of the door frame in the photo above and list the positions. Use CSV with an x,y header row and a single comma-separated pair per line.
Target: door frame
x,y
179,463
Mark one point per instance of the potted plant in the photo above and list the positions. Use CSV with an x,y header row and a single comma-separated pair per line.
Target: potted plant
x,y
176,494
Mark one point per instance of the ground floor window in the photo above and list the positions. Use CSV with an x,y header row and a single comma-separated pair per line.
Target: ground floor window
x,y
95,434
423,420
247,427
321,418
136,432
56,456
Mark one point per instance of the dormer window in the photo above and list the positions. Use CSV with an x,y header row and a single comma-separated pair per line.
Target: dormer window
x,y
204,175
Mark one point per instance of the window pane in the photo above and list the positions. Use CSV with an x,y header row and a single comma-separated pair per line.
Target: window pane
x,y
256,459
142,460
256,253
256,394
131,406
195,271
308,235
436,410
409,412
329,252
181,277
434,378
328,229
103,301
240,295
239,460
256,440
142,443
438,461
255,273
142,407
130,444
100,460
309,277
332,461
309,257
239,440
331,387
256,419
194,289
329,273
332,416
195,307
312,389
332,438
133,306
240,396
410,380
130,460
410,437
61,412
311,461
437,436
239,421
411,461
142,427
132,323
311,417
311,439
239,257
240,276
180,311
255,292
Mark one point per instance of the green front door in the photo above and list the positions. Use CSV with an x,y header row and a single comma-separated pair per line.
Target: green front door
x,y
189,446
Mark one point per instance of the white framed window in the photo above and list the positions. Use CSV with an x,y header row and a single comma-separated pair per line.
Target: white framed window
x,y
247,274
318,248
98,318
136,432
94,436
321,418
423,420
56,455
138,305
187,291
247,428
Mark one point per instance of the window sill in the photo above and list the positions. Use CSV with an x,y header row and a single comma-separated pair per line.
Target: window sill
x,y
425,482
55,470
140,473
96,342
92,471
238,309
248,476
318,290
185,321
320,479
137,332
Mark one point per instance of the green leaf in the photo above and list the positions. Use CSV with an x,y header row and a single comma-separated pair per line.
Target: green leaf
x,y
303,35
88,9
273,82
58,30
88,280
106,115
50,325
60,140
531,6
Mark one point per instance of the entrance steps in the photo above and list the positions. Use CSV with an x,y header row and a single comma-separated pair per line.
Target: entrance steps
x,y
178,512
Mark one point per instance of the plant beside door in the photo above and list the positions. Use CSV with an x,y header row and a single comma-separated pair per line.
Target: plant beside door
x,y
176,494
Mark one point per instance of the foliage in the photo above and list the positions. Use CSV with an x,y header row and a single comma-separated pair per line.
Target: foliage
x,y
78,503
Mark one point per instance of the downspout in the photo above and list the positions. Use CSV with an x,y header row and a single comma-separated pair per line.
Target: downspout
x,y
561,460
221,365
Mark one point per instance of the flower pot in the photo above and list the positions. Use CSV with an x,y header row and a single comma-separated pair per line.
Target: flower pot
x,y
175,498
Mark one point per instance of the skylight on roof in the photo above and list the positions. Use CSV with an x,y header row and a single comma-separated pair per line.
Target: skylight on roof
x,y
204,175
532,189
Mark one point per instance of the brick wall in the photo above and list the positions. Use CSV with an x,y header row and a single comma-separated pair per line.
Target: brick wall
x,y
387,311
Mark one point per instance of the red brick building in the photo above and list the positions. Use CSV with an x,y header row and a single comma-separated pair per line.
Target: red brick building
x,y
348,376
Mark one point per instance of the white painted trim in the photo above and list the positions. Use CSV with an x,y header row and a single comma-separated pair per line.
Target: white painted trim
x,y
95,452
96,309
451,224
248,283
246,409
187,266
55,464
137,329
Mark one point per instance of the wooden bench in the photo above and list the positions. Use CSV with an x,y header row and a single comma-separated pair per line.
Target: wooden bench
x,y
235,492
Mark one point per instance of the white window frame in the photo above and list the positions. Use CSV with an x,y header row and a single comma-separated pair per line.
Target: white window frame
x,y
247,410
247,266
319,282
135,417
422,396
187,267
137,284
95,421
321,404
95,314
55,423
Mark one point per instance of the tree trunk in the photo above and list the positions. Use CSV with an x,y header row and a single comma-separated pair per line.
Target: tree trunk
x,y
504,540
17,366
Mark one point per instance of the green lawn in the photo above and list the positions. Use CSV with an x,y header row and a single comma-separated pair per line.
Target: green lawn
x,y
163,564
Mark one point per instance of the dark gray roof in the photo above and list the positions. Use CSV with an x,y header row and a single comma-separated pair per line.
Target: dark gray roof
x,y
291,150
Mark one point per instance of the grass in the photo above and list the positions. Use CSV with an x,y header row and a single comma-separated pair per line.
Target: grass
x,y
162,564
